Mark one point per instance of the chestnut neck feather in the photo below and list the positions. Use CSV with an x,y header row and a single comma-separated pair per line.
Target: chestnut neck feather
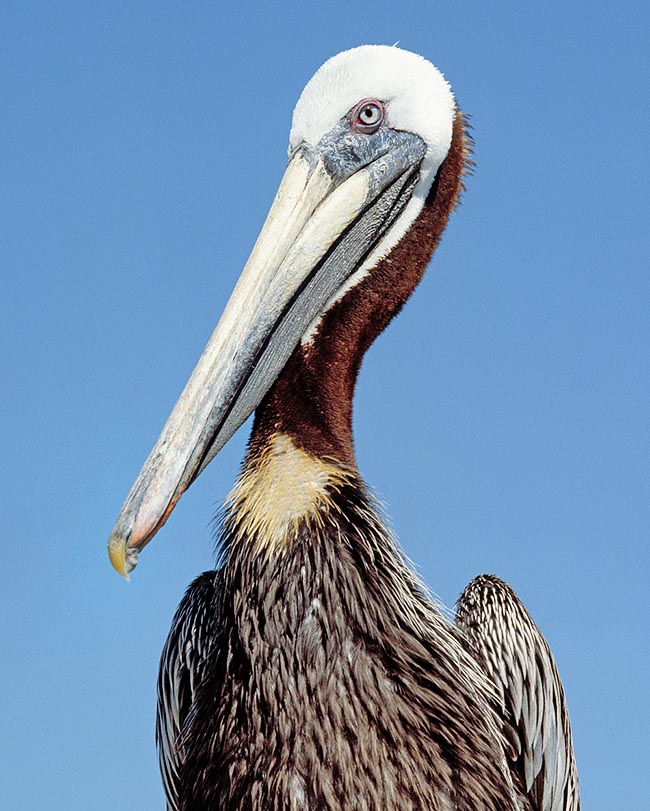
x,y
311,401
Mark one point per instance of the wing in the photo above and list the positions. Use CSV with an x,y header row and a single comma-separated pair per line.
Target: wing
x,y
517,658
182,665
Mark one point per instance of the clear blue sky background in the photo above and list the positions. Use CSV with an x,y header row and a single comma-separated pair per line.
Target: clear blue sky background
x,y
503,417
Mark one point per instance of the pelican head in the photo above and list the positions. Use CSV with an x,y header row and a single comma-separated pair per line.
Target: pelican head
x,y
369,135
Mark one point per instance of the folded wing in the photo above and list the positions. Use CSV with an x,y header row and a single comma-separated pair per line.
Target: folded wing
x,y
182,666
518,660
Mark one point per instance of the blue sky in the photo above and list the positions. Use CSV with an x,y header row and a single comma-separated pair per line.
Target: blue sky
x,y
503,417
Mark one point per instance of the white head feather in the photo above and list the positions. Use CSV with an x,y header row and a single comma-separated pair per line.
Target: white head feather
x,y
418,99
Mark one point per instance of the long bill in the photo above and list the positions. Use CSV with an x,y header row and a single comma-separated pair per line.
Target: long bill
x,y
318,232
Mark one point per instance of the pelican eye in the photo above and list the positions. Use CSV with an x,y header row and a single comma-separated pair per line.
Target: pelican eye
x,y
367,116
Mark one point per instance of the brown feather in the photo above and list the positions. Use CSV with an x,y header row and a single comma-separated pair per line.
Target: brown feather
x,y
311,401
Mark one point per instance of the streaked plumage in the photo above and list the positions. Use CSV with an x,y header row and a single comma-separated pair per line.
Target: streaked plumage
x,y
347,647
312,670
517,659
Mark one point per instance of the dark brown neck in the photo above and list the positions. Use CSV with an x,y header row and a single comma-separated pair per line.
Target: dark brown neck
x,y
311,400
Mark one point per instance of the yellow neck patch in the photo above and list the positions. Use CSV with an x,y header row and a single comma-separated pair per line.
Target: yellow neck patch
x,y
282,488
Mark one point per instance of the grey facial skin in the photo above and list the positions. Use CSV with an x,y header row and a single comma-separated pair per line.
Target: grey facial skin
x,y
386,152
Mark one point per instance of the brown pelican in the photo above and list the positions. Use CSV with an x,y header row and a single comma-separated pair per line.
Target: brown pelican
x,y
312,670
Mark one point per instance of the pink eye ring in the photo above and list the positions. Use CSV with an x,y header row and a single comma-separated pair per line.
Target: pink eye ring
x,y
367,116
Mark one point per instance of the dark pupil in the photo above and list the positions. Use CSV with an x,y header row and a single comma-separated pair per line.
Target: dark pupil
x,y
369,114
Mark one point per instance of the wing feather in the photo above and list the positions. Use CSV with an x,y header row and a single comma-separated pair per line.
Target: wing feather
x,y
182,665
518,660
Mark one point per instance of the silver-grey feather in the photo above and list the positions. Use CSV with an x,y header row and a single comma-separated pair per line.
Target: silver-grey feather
x,y
182,665
518,660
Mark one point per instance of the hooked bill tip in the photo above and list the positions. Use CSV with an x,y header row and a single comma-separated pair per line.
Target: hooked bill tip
x,y
123,558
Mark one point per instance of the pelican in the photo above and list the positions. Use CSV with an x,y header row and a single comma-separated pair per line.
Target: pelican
x,y
311,669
